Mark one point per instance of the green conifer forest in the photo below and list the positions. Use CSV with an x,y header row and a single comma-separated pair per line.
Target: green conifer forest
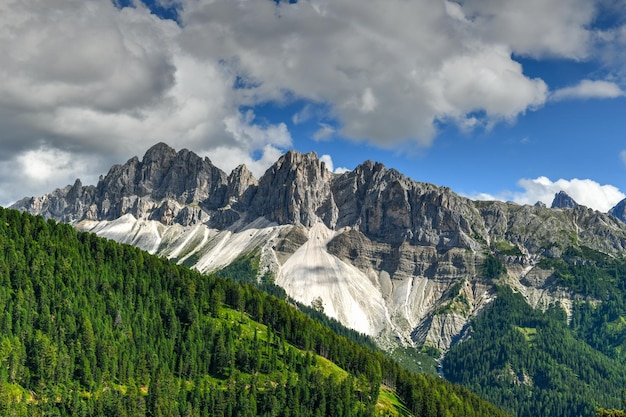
x,y
90,327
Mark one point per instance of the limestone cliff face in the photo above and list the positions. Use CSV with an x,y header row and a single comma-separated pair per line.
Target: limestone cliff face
x,y
159,186
619,210
563,200
68,204
295,190
390,207
395,258
241,187
168,186
538,230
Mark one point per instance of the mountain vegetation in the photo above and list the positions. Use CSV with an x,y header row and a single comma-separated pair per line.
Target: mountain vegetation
x,y
90,327
525,359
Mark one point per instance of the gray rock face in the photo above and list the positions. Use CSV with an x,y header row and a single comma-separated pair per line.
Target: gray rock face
x,y
563,200
163,174
241,187
390,207
68,204
157,187
619,210
381,204
294,190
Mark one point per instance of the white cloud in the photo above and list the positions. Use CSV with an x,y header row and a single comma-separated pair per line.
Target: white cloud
x,y
388,71
99,83
589,89
324,132
227,158
622,156
249,139
305,114
586,192
253,136
43,169
327,159
486,79
535,28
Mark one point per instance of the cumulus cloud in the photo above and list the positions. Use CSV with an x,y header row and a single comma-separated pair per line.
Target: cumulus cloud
x,y
584,191
248,138
229,157
488,77
253,136
389,71
589,89
536,28
44,169
100,83
93,84
324,132
328,160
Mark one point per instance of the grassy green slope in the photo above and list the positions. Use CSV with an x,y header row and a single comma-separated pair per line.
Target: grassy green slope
x,y
90,327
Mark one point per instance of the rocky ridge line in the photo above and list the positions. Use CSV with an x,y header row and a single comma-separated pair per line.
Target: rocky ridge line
x,y
416,247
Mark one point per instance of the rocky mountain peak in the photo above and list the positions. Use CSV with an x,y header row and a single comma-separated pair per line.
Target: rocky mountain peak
x,y
159,153
294,189
303,163
162,181
240,184
563,200
619,210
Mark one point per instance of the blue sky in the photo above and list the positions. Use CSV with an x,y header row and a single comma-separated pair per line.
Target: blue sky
x,y
493,98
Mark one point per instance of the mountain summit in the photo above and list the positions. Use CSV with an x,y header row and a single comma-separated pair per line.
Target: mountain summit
x,y
391,257
563,200
619,210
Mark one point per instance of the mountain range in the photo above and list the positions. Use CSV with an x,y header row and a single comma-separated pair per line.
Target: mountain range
x,y
399,260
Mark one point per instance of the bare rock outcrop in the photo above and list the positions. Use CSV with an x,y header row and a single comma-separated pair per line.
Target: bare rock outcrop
x,y
293,190
563,200
619,210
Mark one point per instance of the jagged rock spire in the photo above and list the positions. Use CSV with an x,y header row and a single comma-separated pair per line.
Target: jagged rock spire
x,y
619,210
563,200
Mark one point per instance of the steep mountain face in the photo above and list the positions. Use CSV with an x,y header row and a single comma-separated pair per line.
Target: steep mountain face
x,y
619,210
164,186
563,200
388,256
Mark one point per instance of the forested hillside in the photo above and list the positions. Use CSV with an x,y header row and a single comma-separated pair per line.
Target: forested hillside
x,y
531,362
94,328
